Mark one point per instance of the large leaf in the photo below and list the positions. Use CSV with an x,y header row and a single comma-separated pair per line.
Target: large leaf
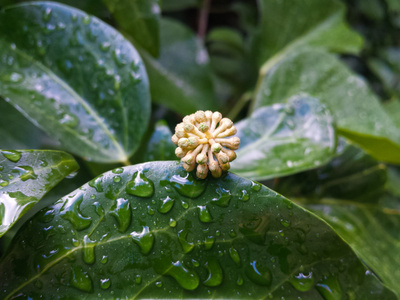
x,y
357,112
160,146
180,78
392,108
173,5
25,177
349,194
289,24
140,19
75,77
153,231
283,139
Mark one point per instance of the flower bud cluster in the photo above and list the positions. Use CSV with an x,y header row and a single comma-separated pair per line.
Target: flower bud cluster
x,y
202,138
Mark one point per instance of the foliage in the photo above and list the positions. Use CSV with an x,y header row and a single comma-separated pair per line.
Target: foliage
x,y
99,86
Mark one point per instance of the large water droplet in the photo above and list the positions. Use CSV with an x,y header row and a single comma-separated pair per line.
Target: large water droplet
x,y
302,282
258,273
209,242
329,288
255,229
121,210
234,255
215,275
144,239
188,186
70,211
204,214
46,14
244,196
255,186
140,185
166,205
97,183
3,183
88,250
224,196
105,283
186,278
11,155
172,222
80,279
25,172
186,246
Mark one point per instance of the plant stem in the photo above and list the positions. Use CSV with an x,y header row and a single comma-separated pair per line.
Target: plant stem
x,y
203,19
126,162
239,105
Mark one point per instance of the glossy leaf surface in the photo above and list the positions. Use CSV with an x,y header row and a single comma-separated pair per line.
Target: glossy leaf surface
x,y
180,78
283,139
157,232
392,108
25,177
75,77
349,194
289,24
140,19
160,146
357,112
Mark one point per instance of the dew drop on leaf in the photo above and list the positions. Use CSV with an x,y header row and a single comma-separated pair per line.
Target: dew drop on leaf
x,y
234,254
209,242
258,273
88,250
121,210
255,186
80,279
186,246
204,214
70,211
11,155
144,239
188,186
166,205
172,222
244,196
302,282
105,283
329,288
223,199
97,183
140,185
186,278
215,275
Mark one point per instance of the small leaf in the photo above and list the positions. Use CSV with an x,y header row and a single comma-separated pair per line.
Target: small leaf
x,y
284,139
262,247
160,146
356,110
139,19
76,78
287,25
25,177
180,78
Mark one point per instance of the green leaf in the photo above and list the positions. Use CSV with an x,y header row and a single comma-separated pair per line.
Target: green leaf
x,y
392,108
25,177
16,132
357,112
348,193
180,78
283,139
160,146
157,232
139,19
174,5
76,78
289,24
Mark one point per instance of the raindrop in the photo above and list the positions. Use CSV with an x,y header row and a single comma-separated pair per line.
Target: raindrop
x,y
88,250
3,183
140,185
144,239
239,281
121,210
186,246
188,186
258,274
172,222
255,186
215,275
185,205
204,214
244,196
285,223
97,183
138,279
70,211
158,284
166,205
118,171
80,279
25,173
117,178
105,283
46,14
187,279
14,77
105,46
224,196
11,155
86,20
209,242
329,288
302,282
104,259
234,255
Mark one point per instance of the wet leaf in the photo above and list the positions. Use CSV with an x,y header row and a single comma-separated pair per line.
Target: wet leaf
x,y
286,25
139,19
392,108
283,139
158,231
349,194
180,78
160,146
25,177
76,78
356,110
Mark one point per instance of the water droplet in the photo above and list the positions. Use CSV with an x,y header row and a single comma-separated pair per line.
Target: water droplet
x,y
97,183
43,163
185,205
215,275
46,14
99,209
105,283
25,173
117,178
88,250
234,255
204,214
70,211
121,210
232,233
224,196
118,171
104,259
86,20
11,155
144,239
119,58
166,205
259,274
195,263
329,288
186,246
188,186
209,242
3,183
302,282
186,278
158,284
255,229
13,77
150,210
138,279
172,222
80,279
68,120
105,46
239,281
255,186
244,196
285,223
140,186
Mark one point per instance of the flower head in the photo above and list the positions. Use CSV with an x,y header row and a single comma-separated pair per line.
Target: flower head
x,y
202,138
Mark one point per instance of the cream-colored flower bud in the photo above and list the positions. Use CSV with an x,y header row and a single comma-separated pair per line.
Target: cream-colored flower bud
x,y
188,159
180,131
192,142
222,158
200,116
216,147
175,139
183,142
179,152
227,132
215,169
188,127
189,119
202,171
231,154
232,143
203,127
201,159
189,168
225,166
